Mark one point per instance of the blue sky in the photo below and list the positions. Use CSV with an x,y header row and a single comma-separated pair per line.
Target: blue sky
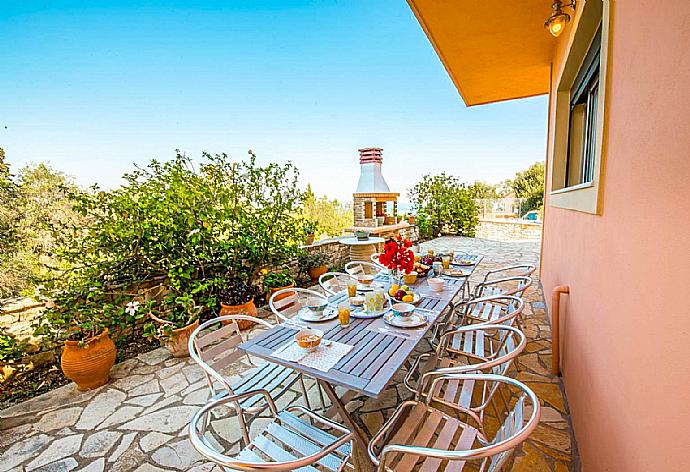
x,y
95,86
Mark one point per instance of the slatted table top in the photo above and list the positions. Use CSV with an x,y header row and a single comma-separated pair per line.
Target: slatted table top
x,y
379,350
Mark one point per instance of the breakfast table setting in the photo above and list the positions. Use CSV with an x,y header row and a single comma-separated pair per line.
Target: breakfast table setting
x,y
357,339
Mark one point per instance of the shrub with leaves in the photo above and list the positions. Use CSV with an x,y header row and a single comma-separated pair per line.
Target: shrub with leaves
x,y
201,229
443,205
278,279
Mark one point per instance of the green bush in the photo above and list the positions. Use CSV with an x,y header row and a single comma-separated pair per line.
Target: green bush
x,y
195,228
443,205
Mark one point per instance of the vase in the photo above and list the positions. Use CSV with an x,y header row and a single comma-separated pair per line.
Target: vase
x,y
88,363
271,291
178,341
248,309
316,272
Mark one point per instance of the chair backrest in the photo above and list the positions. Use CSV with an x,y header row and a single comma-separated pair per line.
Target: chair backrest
x,y
287,443
497,344
471,443
375,260
524,270
516,285
334,282
498,309
213,345
514,429
287,302
356,268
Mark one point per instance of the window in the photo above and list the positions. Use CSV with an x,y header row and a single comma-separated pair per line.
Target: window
x,y
577,112
583,119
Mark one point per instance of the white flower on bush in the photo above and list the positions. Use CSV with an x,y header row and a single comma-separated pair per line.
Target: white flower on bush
x,y
132,308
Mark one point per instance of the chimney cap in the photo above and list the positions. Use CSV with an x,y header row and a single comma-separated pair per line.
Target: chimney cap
x,y
370,179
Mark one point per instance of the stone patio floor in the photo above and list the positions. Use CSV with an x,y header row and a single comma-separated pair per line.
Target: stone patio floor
x,y
138,421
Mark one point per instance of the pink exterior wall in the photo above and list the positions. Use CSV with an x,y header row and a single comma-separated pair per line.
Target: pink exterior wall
x,y
626,322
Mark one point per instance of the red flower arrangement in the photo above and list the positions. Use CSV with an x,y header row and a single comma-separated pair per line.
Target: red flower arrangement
x,y
397,255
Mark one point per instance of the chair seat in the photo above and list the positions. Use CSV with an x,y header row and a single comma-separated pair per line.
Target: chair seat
x,y
291,438
470,343
274,378
456,392
424,426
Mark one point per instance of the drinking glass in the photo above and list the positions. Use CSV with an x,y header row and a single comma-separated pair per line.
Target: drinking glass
x,y
430,252
446,262
344,314
351,288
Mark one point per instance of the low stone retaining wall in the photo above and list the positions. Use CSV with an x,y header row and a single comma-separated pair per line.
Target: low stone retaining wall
x,y
508,230
340,253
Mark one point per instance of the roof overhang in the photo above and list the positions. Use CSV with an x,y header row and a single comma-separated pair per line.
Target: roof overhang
x,y
492,50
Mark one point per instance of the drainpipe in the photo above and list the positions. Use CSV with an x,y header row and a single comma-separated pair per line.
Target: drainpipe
x,y
555,327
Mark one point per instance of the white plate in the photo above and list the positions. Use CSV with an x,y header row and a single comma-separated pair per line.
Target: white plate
x,y
358,312
417,298
329,313
447,273
368,288
415,320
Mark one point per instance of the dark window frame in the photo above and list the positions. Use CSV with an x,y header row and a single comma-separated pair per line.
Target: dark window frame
x,y
585,91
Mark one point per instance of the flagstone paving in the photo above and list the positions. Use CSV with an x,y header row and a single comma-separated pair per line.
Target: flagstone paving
x,y
138,421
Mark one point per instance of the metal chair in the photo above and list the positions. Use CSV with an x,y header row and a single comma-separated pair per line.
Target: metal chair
x,y
515,285
356,268
334,282
286,303
495,309
488,349
213,345
291,441
374,258
419,433
524,270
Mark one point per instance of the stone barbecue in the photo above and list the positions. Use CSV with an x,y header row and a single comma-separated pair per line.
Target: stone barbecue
x,y
374,203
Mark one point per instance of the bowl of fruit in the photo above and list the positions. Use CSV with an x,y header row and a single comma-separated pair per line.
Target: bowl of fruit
x,y
423,265
402,293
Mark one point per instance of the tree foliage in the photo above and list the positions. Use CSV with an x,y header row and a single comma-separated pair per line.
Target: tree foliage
x,y
330,216
529,184
195,228
29,204
443,205
482,190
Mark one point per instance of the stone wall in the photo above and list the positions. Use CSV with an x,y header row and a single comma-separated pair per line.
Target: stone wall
x,y
508,230
340,253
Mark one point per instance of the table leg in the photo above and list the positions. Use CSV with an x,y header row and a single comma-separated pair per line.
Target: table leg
x,y
360,458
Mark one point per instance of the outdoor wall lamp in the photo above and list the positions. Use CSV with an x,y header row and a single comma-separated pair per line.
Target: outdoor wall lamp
x,y
558,19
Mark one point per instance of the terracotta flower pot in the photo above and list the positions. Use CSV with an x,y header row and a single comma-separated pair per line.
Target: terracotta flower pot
x,y
271,291
245,309
88,365
316,272
410,219
177,342
310,239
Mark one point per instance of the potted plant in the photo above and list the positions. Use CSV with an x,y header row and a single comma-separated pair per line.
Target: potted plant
x,y
173,324
410,219
315,264
310,228
275,281
81,319
237,298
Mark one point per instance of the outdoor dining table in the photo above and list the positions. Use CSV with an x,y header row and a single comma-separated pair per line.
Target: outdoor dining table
x,y
379,350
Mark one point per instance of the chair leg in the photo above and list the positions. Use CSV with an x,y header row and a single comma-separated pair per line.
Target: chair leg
x,y
303,387
243,425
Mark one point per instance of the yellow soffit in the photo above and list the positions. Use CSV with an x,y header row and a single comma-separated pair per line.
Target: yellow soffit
x,y
492,50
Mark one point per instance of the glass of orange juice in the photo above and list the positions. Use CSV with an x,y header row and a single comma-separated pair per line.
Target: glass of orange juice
x,y
351,288
344,314
446,262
